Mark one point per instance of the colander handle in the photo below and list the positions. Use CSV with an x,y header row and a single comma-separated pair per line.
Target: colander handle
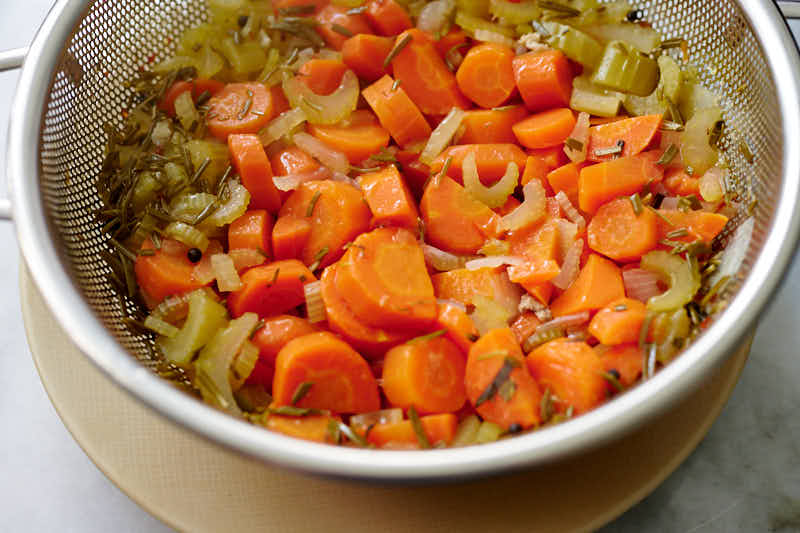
x,y
9,60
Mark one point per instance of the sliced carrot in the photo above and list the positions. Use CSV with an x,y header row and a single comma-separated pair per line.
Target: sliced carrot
x,y
396,111
341,380
524,326
439,428
566,178
427,374
626,360
462,285
271,289
546,128
596,121
389,199
387,17
370,341
270,338
598,283
460,328
678,182
322,76
486,75
239,108
536,169
539,246
337,213
166,272
491,126
293,160
616,231
634,135
455,38
313,428
618,322
544,79
553,157
364,54
572,371
619,177
424,75
252,164
415,172
454,220
357,138
383,279
290,236
335,25
197,87
279,101
543,292
251,230
491,160
701,225
493,355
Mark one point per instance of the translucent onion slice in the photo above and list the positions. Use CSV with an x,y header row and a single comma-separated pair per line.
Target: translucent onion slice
x,y
570,266
488,36
567,233
440,137
670,202
225,272
454,303
712,185
441,260
291,182
497,194
333,159
344,178
383,416
244,258
683,281
435,15
640,284
576,149
531,210
572,214
159,326
315,306
494,261
281,125
566,321
188,235
324,109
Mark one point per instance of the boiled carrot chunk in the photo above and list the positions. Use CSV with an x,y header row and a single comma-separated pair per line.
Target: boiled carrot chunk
x,y
251,162
459,326
292,160
700,225
276,332
491,126
618,322
633,135
271,289
313,427
462,285
332,18
226,106
383,279
486,75
544,79
603,182
598,283
364,54
197,87
524,326
389,199
340,379
396,112
498,382
168,271
625,360
439,429
322,76
572,371
358,138
618,232
289,236
490,159
539,247
387,17
566,179
427,374
251,230
546,128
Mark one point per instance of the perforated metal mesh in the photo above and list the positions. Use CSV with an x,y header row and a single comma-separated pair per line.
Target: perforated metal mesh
x,y
117,38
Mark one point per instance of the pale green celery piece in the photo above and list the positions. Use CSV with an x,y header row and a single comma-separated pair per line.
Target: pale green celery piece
x,y
488,432
205,317
187,206
188,235
195,37
226,12
677,273
270,73
175,175
229,210
669,87
606,13
693,97
476,8
696,150
215,152
186,112
670,81
625,69
489,314
522,29
576,45
470,24
672,327
466,432
145,191
514,13
208,62
245,58
597,104
643,39
252,398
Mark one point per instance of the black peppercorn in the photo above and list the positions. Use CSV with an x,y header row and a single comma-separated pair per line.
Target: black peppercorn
x,y
194,255
614,372
242,20
635,15
514,428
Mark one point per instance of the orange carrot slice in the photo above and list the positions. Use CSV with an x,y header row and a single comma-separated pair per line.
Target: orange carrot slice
x,y
387,17
251,230
618,322
239,108
252,164
491,126
620,177
486,75
335,25
616,231
358,138
546,128
322,76
364,54
165,273
396,112
491,160
634,135
389,199
271,289
313,428
598,283
401,435
544,79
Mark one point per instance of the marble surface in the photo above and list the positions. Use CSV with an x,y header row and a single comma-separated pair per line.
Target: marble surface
x,y
745,476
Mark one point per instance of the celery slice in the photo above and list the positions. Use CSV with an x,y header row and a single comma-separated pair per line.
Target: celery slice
x,y
215,152
625,69
205,317
488,432
514,13
592,99
576,45
476,8
467,432
471,24
669,87
677,273
643,39
246,57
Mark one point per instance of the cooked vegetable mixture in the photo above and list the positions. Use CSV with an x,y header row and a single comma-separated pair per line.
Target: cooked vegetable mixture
x,y
413,224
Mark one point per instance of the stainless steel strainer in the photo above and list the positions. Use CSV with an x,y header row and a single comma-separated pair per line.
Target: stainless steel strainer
x,y
71,84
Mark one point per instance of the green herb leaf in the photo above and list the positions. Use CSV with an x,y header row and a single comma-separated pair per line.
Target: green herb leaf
x,y
507,390
613,381
291,410
491,355
419,431
429,336
334,433
561,9
502,376
396,50
318,258
636,203
341,30
574,144
668,155
612,150
301,390
313,203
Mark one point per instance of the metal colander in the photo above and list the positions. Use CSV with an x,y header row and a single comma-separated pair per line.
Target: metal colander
x,y
72,84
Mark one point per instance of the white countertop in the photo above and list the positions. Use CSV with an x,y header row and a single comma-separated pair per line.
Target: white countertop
x,y
745,476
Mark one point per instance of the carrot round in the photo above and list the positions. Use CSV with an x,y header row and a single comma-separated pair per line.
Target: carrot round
x,y
572,371
370,341
270,338
546,128
165,273
464,285
439,428
454,220
618,232
337,214
313,428
455,38
426,374
491,126
498,383
602,182
383,279
486,75
625,360
364,54
292,160
335,25
239,108
543,291
389,199
618,322
539,246
396,111
553,157
289,237
322,76
459,326
271,289
387,17
358,138
632,134
598,283
566,178
678,182
544,79
341,380
251,230
491,160
700,225
197,87
252,164
424,74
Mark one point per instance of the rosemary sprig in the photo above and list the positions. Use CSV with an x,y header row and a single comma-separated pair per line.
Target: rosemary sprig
x,y
396,50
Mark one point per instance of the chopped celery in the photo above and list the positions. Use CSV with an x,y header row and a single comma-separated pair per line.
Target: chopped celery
x,y
670,330
231,208
145,191
669,86
488,432
269,72
471,24
677,273
592,99
324,109
467,431
215,152
253,397
193,39
245,58
606,13
476,8
226,12
576,45
186,207
208,62
205,317
643,39
496,195
625,69
243,364
186,112
514,13
696,149
489,314
693,96
188,235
